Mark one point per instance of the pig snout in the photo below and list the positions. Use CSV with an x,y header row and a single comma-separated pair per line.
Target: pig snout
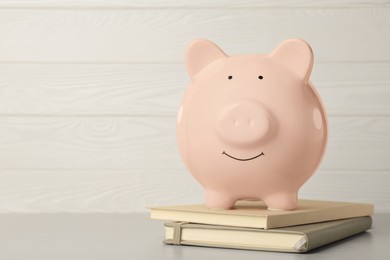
x,y
243,123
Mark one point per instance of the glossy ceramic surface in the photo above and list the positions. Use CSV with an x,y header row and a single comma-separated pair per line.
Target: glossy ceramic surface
x,y
251,126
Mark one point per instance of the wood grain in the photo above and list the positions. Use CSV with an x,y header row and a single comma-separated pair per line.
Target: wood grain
x,y
133,191
161,35
149,143
188,3
88,143
367,186
93,191
347,89
89,91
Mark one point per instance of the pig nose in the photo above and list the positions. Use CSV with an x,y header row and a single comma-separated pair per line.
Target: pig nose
x,y
244,123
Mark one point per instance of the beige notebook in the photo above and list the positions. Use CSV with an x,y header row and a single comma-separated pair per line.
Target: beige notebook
x,y
291,239
254,214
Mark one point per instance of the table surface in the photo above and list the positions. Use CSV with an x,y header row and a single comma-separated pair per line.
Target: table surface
x,y
135,236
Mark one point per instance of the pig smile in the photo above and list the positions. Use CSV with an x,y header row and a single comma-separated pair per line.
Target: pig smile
x,y
239,159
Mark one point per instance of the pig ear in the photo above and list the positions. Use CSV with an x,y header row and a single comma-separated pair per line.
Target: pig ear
x,y
297,55
201,53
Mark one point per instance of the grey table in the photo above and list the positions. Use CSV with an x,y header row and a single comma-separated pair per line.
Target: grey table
x,y
134,236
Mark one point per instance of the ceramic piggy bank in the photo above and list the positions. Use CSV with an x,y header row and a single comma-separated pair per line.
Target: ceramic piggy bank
x,y
251,126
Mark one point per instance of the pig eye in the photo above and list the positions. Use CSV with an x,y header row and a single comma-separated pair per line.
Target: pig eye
x,y
230,77
260,77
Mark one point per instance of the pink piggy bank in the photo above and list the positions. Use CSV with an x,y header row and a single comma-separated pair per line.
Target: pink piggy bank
x,y
251,126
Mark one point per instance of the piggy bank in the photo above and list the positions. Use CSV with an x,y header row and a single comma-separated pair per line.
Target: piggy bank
x,y
251,126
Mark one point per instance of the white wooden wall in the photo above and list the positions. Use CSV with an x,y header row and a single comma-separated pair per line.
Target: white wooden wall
x,y
89,91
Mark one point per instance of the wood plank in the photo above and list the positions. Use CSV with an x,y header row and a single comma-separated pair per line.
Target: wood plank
x,y
161,35
348,89
133,191
88,143
354,143
90,89
188,3
355,186
149,143
93,191
361,89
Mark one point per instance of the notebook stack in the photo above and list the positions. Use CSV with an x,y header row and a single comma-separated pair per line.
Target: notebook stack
x,y
251,226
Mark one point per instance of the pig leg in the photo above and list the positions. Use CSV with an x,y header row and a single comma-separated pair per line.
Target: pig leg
x,y
218,200
281,201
